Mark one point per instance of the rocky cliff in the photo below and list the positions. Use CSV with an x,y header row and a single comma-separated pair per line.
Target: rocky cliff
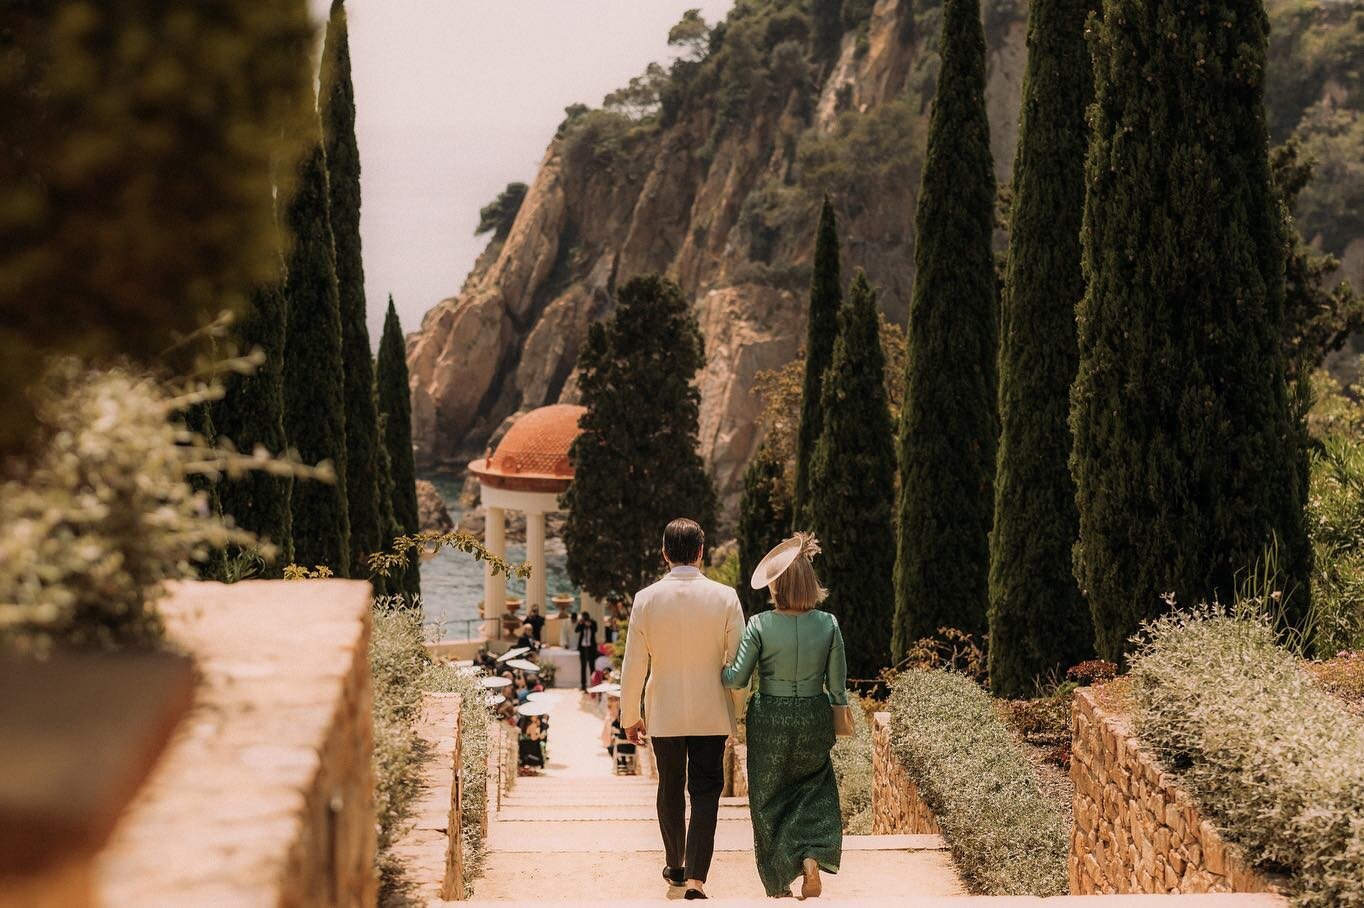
x,y
711,172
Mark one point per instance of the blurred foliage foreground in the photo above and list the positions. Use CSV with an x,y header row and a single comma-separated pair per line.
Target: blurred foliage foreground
x,y
141,147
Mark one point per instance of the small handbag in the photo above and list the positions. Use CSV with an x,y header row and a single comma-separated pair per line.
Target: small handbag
x,y
843,721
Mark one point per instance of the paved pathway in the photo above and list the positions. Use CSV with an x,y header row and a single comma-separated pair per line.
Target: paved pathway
x,y
578,833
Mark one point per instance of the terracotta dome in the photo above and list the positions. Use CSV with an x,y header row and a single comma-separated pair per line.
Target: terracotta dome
x,y
535,447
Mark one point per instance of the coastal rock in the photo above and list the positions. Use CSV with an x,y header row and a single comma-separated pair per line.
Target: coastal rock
x,y
431,511
727,209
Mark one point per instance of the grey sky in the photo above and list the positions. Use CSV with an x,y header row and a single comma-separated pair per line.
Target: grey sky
x,y
457,98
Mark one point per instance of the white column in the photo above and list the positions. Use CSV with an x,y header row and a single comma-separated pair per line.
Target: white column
x,y
592,606
494,585
535,553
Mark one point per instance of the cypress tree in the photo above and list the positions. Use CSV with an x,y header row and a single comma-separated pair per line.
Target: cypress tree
x,y
337,100
852,487
251,415
1039,622
764,521
827,31
825,297
314,383
948,425
388,524
636,464
395,407
1184,440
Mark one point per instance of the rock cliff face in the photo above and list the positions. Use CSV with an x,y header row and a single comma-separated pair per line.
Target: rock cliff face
x,y
715,184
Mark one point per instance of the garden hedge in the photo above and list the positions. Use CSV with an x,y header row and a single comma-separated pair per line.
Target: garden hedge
x,y
1005,836
1273,758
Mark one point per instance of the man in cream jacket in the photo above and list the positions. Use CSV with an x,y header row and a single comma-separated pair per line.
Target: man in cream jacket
x,y
683,630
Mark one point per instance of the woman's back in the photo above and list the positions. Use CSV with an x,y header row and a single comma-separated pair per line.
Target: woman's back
x,y
795,652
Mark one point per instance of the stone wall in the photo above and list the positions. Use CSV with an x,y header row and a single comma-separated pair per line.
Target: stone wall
x,y
896,807
736,770
1136,830
265,795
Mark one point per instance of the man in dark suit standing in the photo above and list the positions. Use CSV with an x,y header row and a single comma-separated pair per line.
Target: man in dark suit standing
x,y
585,633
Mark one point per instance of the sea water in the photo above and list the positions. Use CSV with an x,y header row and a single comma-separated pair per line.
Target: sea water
x,y
452,582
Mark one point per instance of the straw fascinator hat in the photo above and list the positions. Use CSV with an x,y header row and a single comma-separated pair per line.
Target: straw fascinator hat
x,y
775,562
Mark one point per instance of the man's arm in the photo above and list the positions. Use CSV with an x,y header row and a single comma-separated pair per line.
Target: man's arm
x,y
633,671
734,627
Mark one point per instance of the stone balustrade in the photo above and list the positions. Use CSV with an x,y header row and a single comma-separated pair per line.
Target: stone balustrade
x,y
265,794
1136,830
896,807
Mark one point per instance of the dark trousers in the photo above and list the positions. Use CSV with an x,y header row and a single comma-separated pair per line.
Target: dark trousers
x,y
691,765
587,661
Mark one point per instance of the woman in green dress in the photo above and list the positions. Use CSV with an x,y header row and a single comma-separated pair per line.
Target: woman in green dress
x,y
797,653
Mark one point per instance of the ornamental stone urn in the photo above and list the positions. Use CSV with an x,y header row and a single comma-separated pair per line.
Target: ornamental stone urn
x,y
563,604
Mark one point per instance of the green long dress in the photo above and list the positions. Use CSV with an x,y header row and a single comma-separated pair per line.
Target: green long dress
x,y
792,792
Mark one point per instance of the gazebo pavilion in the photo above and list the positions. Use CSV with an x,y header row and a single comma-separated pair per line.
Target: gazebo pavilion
x,y
527,472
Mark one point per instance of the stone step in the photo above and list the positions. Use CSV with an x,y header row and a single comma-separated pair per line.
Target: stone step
x,y
567,877
838,891
616,836
542,811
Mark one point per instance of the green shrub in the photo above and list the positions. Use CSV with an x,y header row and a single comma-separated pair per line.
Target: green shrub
x,y
1335,523
1006,838
852,768
1272,758
108,510
401,670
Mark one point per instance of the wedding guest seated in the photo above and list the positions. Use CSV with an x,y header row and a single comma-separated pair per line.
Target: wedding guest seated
x,y
527,639
486,660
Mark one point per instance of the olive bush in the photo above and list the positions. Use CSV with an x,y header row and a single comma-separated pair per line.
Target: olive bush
x,y
107,512
1274,759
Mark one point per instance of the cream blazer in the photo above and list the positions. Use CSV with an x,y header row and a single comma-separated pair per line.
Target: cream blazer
x,y
683,630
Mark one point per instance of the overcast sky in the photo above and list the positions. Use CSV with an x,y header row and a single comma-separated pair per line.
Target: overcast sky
x,y
457,98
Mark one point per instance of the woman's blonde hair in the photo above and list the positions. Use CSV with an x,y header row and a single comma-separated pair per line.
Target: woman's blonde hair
x,y
797,588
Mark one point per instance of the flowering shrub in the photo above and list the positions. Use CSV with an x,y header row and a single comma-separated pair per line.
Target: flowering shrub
x,y
1092,671
1342,676
1006,837
1274,759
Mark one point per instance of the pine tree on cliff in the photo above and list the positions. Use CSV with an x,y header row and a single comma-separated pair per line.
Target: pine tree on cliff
x,y
337,101
395,407
314,373
636,463
251,415
764,521
852,487
825,297
1184,442
1039,622
948,422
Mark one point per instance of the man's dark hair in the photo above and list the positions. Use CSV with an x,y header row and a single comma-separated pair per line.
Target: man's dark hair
x,y
682,541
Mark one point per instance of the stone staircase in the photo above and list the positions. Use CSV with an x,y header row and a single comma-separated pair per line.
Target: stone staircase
x,y
579,834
